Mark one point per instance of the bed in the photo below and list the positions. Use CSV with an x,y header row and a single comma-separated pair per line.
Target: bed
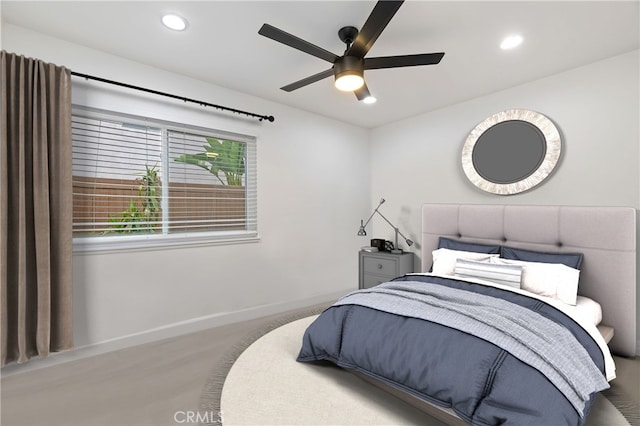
x,y
520,359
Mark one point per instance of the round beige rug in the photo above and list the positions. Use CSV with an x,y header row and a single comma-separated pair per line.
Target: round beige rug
x,y
267,386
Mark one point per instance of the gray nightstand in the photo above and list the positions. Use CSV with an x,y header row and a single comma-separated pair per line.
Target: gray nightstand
x,y
379,267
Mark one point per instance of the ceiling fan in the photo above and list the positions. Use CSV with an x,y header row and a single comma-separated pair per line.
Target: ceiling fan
x,y
348,69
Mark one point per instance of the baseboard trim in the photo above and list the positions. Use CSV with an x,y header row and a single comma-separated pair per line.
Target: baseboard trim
x,y
168,331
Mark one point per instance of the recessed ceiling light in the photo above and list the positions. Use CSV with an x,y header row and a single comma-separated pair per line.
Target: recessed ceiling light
x,y
511,42
174,22
369,100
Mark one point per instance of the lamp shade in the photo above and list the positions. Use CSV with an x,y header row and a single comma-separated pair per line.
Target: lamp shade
x,y
361,231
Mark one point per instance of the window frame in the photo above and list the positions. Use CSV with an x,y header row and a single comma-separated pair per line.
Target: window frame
x,y
136,242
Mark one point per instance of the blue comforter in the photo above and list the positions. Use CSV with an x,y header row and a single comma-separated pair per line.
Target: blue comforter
x,y
446,363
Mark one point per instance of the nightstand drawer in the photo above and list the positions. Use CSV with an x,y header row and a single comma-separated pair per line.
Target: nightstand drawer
x,y
379,266
369,280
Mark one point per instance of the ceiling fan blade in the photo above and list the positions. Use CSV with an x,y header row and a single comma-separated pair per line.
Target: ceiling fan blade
x,y
283,37
305,81
402,61
373,27
362,93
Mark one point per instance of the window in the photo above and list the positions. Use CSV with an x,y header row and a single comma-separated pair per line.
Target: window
x,y
144,182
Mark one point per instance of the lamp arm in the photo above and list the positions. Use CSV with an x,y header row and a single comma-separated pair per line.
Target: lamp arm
x,y
392,225
373,213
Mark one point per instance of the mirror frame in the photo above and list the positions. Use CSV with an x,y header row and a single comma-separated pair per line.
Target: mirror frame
x,y
552,152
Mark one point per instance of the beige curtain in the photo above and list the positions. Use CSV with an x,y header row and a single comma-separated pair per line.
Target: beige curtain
x,y
35,208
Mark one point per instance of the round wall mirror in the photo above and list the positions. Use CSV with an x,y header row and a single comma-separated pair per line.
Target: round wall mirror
x,y
511,151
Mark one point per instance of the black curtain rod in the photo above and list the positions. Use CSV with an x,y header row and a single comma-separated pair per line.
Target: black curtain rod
x,y
155,92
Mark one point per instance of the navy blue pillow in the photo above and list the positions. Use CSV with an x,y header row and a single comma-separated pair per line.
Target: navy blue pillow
x,y
573,260
451,244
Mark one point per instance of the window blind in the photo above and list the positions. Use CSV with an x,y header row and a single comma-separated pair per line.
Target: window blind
x,y
134,176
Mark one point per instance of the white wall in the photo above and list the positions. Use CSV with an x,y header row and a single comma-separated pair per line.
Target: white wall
x,y
595,107
307,214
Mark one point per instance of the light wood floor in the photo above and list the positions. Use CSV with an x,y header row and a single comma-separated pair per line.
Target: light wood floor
x,y
146,385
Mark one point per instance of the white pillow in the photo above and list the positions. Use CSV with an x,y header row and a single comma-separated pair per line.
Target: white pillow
x,y
444,260
589,309
504,274
553,280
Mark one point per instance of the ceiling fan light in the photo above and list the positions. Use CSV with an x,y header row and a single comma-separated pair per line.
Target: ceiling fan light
x,y
349,73
348,82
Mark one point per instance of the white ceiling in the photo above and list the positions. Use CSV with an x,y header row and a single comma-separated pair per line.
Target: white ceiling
x,y
222,45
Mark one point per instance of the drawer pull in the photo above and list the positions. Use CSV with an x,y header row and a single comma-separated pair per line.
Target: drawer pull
x,y
379,265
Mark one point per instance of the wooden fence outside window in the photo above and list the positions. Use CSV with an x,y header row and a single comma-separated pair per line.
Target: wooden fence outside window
x,y
208,207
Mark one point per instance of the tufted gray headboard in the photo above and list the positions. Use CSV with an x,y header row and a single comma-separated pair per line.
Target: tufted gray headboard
x,y
606,236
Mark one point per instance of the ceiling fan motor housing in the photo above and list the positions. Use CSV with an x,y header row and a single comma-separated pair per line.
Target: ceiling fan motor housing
x,y
348,65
